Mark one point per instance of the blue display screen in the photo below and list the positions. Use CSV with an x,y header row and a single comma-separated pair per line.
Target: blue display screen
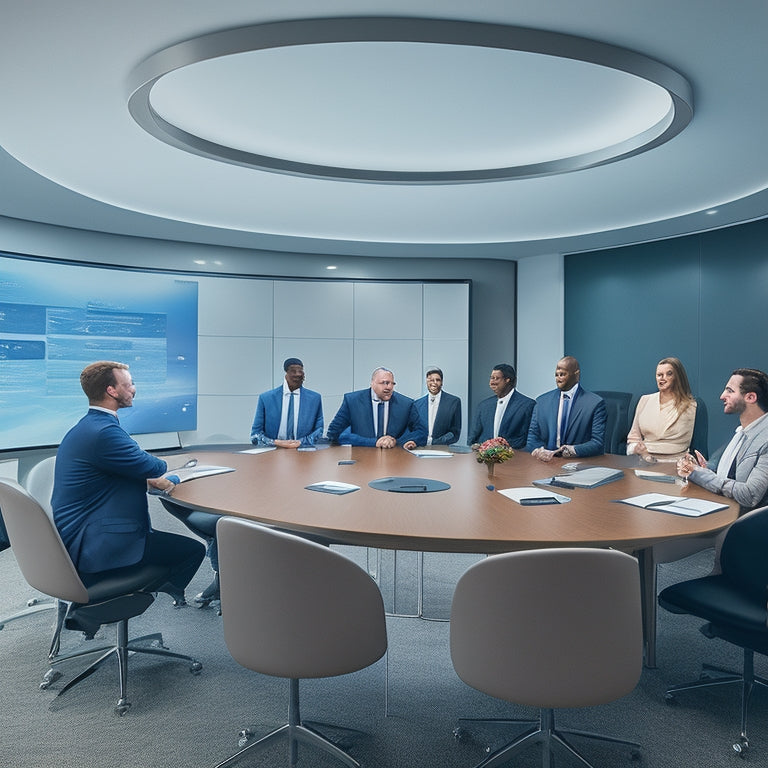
x,y
57,318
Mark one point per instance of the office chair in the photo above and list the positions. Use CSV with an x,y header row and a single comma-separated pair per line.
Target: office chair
x,y
295,609
40,485
733,603
117,597
617,420
549,628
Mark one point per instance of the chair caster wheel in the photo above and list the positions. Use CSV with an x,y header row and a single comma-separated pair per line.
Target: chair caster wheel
x,y
669,699
195,667
32,601
122,707
244,737
741,747
459,733
50,677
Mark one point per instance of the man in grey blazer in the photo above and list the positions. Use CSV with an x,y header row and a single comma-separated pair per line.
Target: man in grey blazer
x,y
738,470
440,411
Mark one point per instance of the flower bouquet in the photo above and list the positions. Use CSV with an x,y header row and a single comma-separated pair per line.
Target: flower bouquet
x,y
493,452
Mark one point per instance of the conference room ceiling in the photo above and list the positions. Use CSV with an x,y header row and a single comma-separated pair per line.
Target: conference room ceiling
x,y
419,128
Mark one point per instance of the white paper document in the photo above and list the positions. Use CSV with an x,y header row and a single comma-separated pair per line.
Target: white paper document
x,y
199,470
429,454
260,449
332,486
677,505
532,496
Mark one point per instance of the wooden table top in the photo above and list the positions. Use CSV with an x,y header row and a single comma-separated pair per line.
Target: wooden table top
x,y
270,488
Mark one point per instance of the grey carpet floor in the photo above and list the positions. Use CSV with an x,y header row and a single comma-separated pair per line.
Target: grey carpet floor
x,y
407,704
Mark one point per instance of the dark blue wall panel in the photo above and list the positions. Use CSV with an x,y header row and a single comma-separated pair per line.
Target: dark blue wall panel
x,y
701,298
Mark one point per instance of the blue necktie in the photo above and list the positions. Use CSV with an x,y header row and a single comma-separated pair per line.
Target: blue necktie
x,y
289,430
380,419
564,417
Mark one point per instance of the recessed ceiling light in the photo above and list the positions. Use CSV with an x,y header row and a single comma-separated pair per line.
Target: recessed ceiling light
x,y
199,261
331,266
711,211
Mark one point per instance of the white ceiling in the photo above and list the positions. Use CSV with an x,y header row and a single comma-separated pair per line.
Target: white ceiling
x,y
74,156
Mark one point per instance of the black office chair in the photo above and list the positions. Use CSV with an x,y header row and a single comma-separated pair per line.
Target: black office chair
x,y
734,603
617,420
115,597
700,439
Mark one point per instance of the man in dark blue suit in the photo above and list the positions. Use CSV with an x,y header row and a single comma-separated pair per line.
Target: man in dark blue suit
x,y
440,411
507,413
272,425
378,416
567,421
100,491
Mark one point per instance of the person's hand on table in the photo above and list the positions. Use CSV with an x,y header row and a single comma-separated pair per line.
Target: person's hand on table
x,y
542,454
410,445
386,441
287,443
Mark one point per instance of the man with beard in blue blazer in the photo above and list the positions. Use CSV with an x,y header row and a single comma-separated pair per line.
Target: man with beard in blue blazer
x,y
378,416
567,421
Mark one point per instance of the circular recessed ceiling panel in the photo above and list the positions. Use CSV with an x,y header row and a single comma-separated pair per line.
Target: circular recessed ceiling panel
x,y
491,102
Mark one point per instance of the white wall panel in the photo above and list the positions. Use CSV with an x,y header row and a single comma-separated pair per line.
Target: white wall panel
x,y
388,310
446,310
234,365
313,309
234,307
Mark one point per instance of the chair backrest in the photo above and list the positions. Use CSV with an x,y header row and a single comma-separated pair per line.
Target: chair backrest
x,y
617,420
549,628
39,483
743,559
700,438
293,608
42,557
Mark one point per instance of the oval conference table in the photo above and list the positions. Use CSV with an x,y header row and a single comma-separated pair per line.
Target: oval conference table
x,y
470,516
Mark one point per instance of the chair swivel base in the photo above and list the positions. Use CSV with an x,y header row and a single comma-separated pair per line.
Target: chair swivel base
x,y
544,732
33,606
296,731
747,680
120,650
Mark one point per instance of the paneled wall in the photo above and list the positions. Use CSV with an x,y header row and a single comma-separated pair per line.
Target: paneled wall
x,y
701,298
340,330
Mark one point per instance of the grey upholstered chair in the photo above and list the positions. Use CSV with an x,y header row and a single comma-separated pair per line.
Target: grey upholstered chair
x,y
40,485
117,597
617,421
549,628
295,609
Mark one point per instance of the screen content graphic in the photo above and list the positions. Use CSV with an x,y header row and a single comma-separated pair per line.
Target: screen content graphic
x,y
57,318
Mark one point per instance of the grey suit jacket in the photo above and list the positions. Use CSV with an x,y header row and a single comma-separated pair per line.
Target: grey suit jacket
x,y
750,487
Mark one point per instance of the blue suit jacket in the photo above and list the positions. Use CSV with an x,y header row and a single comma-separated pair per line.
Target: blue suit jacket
x,y
100,494
447,426
354,421
269,409
514,425
585,430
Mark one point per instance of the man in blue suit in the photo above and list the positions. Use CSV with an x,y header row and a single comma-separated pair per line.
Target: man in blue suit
x,y
288,416
440,411
378,416
506,414
100,491
568,421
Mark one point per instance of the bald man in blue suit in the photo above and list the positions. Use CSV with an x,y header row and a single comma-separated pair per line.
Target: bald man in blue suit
x,y
354,423
575,432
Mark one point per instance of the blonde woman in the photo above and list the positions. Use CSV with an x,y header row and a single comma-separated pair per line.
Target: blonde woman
x,y
663,423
